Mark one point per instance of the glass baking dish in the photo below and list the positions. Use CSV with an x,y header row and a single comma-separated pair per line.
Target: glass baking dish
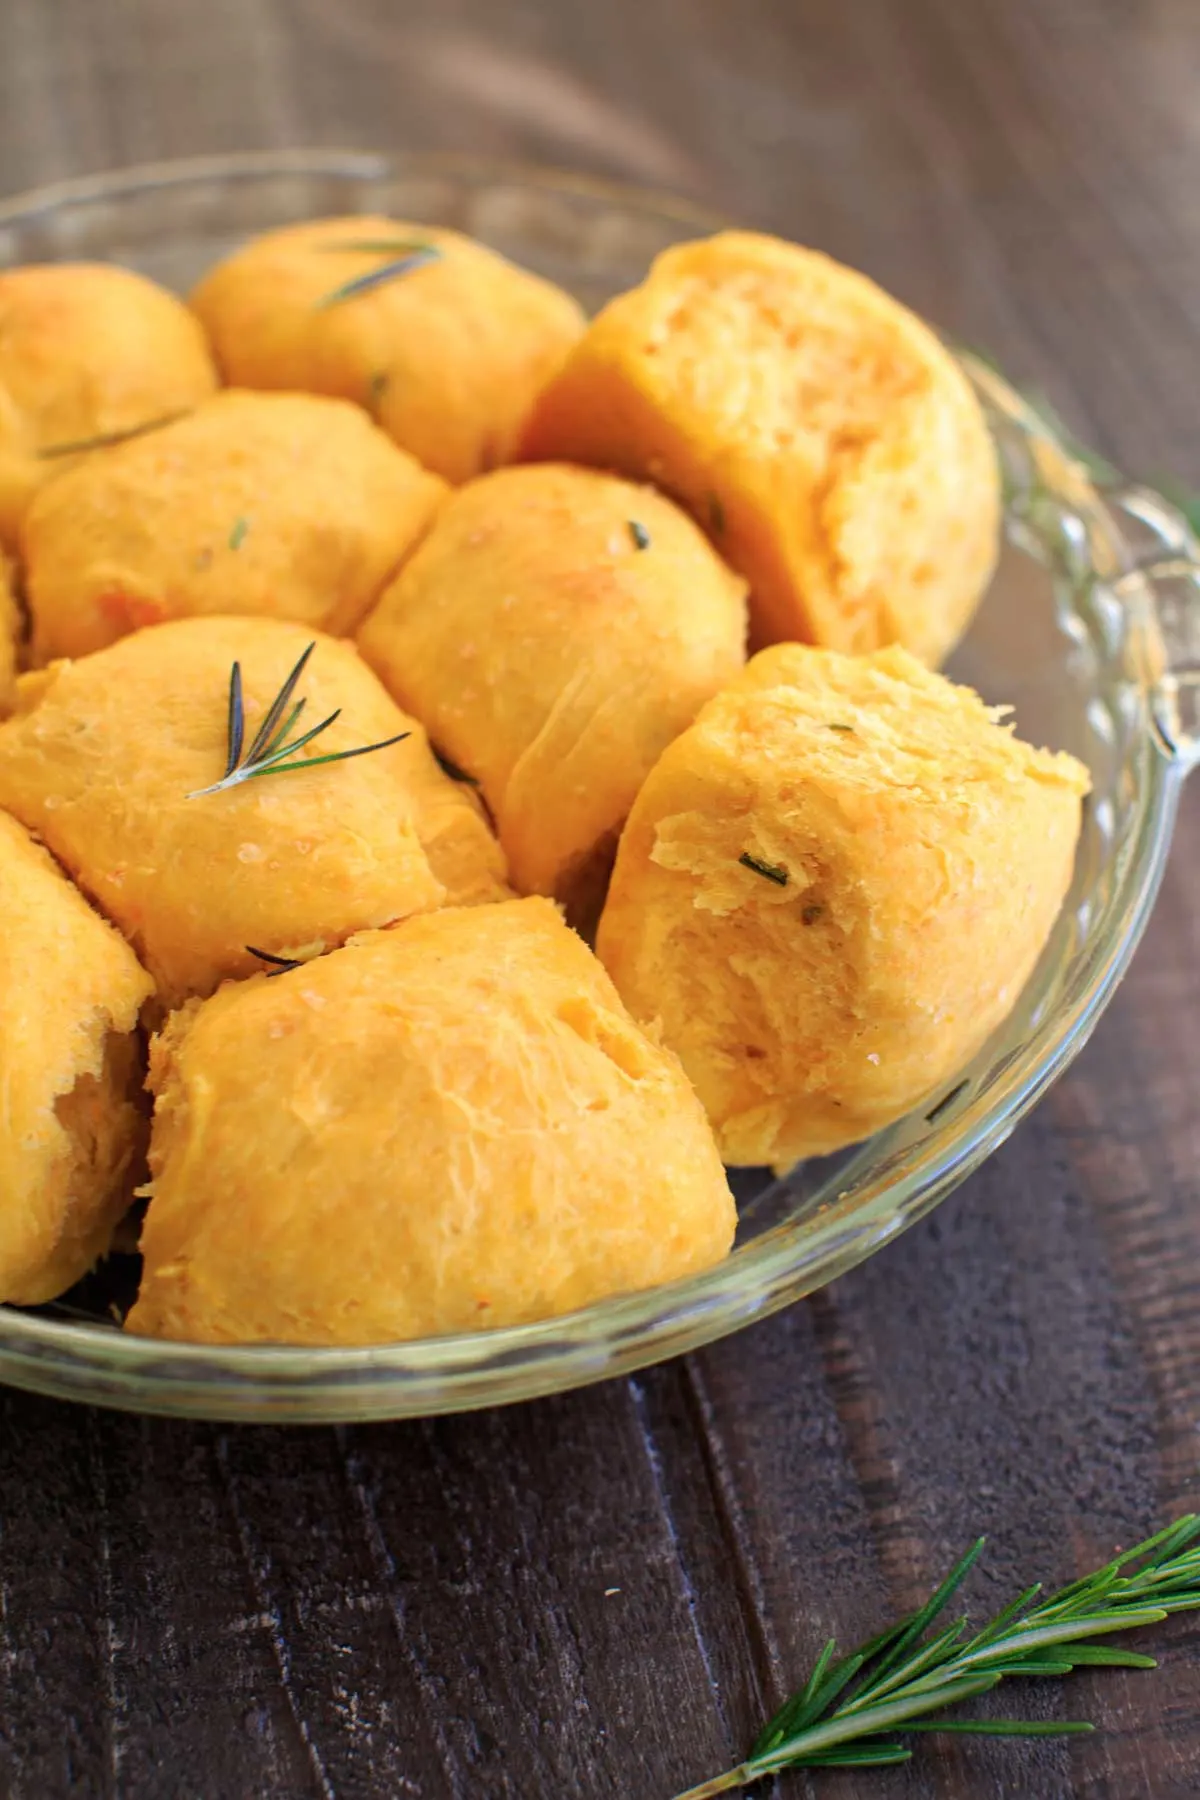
x,y
1091,630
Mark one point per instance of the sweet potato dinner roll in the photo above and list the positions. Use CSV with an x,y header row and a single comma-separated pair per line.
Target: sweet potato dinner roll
x,y
10,636
439,1128
554,632
87,351
443,341
831,889
105,760
290,505
818,430
70,1070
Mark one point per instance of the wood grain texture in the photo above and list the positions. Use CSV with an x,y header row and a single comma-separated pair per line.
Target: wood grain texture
x,y
597,1595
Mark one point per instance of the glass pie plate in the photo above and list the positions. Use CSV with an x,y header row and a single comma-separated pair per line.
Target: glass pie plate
x,y
1091,630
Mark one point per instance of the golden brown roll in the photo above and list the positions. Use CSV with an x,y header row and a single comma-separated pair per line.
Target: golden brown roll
x,y
818,430
832,889
10,636
554,632
290,505
104,757
70,1068
87,350
447,355
440,1128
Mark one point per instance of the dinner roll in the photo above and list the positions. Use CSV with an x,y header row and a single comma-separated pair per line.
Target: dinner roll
x,y
290,505
554,632
70,1069
105,758
440,1128
819,431
10,636
87,350
448,352
832,889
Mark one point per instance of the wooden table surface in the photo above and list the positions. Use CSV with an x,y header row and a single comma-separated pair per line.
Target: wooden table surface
x,y
598,1595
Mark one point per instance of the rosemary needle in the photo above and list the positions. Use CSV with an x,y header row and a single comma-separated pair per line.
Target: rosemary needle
x,y
414,258
282,963
105,439
274,750
846,1714
769,871
395,246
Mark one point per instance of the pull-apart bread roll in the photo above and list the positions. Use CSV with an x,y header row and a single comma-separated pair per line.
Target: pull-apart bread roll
x,y
443,341
832,889
286,505
440,1128
10,637
106,760
817,429
554,632
87,351
70,1068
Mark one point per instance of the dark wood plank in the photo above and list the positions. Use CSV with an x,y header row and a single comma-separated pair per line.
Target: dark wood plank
x,y
426,1609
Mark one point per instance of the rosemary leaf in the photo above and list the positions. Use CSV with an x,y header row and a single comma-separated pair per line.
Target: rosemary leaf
x,y
416,258
282,963
769,871
946,1101
103,440
452,769
900,1680
237,536
314,762
265,731
237,721
394,246
639,534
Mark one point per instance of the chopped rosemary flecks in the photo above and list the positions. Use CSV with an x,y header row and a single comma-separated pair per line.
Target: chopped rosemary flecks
x,y
831,726
947,1100
271,749
716,514
768,870
850,1710
639,534
416,258
812,912
104,439
237,536
282,963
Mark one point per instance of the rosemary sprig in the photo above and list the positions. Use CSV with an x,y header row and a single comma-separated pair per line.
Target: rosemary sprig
x,y
103,440
273,746
769,871
415,257
845,1714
